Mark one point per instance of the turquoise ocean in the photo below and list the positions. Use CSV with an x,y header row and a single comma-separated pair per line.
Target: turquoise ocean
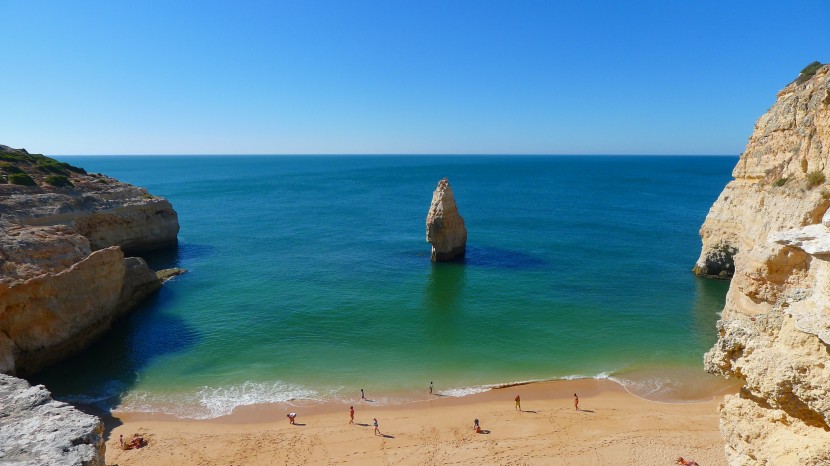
x,y
309,278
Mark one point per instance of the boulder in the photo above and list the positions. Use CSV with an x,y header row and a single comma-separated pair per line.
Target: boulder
x,y
36,430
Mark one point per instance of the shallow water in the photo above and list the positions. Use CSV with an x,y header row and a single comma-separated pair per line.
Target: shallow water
x,y
309,277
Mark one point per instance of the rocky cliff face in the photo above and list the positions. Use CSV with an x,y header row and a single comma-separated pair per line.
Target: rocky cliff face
x,y
445,227
37,430
63,274
770,231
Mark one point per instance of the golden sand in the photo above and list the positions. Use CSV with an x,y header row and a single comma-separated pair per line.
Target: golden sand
x,y
612,427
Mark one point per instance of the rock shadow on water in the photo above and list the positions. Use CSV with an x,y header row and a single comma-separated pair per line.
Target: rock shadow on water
x,y
176,256
96,379
500,258
443,300
710,298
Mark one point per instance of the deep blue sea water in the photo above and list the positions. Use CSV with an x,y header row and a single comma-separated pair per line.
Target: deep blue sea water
x,y
309,277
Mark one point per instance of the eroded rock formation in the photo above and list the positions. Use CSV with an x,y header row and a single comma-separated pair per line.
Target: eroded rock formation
x,y
445,227
63,275
37,430
770,231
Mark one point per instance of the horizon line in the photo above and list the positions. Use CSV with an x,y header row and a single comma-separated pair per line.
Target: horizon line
x,y
380,154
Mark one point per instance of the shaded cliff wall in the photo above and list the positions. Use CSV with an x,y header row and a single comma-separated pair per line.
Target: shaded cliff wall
x,y
770,231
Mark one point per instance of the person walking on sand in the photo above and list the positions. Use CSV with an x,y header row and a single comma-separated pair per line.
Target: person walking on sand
x,y
291,417
362,395
576,402
518,403
351,414
377,431
430,388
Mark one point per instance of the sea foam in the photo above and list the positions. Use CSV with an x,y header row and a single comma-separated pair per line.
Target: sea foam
x,y
211,402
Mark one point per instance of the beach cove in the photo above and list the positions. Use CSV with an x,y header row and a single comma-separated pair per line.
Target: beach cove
x,y
309,278
611,427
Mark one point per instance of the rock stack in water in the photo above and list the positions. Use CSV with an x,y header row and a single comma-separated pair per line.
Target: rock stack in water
x,y
445,227
771,225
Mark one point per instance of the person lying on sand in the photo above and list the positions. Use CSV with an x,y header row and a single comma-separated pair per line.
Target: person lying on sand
x,y
136,442
683,462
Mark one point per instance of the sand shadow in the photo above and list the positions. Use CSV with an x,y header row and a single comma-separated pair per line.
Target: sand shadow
x,y
387,436
110,422
439,395
585,410
529,411
362,425
369,401
298,424
484,431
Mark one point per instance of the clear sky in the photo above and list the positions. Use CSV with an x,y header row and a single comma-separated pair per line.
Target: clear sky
x,y
394,76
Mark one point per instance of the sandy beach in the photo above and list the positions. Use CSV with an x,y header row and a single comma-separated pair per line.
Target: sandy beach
x,y
611,427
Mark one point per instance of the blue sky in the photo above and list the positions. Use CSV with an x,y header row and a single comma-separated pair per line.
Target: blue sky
x,y
469,77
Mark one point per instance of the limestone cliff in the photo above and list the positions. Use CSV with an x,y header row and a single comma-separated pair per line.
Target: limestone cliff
x,y
770,231
63,274
445,226
37,430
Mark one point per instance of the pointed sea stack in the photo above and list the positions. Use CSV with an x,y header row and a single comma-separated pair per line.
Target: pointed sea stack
x,y
445,227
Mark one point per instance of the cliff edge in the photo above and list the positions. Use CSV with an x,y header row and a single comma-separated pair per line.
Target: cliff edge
x,y
64,277
769,230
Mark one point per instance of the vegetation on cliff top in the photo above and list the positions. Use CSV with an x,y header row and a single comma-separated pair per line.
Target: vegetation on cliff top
x,y
23,168
808,72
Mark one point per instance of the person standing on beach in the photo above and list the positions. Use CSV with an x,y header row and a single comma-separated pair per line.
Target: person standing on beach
x,y
518,403
377,431
362,395
576,402
351,414
291,417
430,388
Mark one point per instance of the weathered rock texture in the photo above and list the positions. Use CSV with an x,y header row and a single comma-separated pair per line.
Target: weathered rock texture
x,y
36,430
771,226
445,227
63,274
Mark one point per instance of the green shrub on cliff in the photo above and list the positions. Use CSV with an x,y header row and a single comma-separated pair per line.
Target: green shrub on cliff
x,y
51,166
808,72
21,179
780,182
815,178
41,162
7,167
14,157
59,181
